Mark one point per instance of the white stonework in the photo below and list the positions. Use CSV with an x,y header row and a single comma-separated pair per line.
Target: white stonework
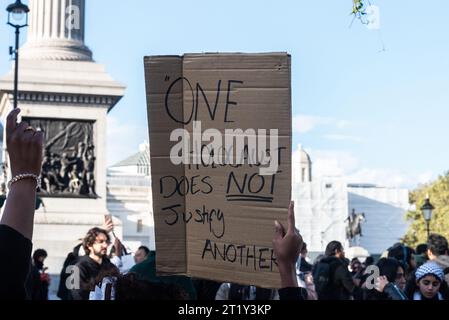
x,y
323,204
384,210
56,31
58,79
131,204
130,198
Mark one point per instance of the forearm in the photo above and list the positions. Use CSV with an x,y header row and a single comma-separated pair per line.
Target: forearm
x,y
287,272
19,208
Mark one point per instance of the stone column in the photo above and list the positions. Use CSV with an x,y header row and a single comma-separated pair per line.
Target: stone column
x,y
56,31
59,82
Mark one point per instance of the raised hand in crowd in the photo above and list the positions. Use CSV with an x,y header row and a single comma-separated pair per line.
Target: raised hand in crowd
x,y
381,282
24,145
287,246
108,224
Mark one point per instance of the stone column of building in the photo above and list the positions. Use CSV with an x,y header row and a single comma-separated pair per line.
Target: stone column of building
x,y
63,89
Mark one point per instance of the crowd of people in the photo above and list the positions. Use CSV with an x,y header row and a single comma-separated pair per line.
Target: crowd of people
x,y
402,273
97,268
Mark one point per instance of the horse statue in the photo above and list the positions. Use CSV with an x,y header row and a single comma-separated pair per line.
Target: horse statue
x,y
354,226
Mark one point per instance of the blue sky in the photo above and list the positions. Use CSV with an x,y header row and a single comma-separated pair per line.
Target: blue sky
x,y
373,115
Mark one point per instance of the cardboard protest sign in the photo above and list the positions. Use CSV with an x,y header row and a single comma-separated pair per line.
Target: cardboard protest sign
x,y
220,145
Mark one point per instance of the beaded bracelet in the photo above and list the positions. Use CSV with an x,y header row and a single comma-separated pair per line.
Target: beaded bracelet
x,y
25,176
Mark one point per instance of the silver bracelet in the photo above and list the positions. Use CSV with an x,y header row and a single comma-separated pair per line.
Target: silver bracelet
x,y
25,176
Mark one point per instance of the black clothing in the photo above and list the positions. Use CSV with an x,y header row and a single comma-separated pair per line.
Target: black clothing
x,y
263,294
239,292
340,285
391,292
37,288
72,259
305,266
88,272
206,289
294,293
15,253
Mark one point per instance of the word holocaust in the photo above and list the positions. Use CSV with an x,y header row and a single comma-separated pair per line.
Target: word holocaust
x,y
191,149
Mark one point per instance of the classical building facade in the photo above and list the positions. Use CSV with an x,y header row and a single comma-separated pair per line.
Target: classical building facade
x,y
130,198
324,205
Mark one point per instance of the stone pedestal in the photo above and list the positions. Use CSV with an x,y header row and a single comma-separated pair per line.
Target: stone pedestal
x,y
58,81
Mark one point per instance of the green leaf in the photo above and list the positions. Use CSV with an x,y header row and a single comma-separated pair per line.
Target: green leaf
x,y
439,196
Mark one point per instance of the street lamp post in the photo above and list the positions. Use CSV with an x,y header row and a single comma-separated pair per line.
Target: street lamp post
x,y
17,18
427,213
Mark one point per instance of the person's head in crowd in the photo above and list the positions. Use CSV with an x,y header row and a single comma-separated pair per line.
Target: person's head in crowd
x,y
39,257
393,270
141,254
421,248
356,265
436,246
335,248
368,261
403,254
428,283
96,242
421,254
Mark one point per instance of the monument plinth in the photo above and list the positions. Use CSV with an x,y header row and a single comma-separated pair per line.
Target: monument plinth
x,y
67,95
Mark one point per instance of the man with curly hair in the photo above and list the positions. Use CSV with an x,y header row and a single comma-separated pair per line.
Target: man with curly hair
x,y
95,244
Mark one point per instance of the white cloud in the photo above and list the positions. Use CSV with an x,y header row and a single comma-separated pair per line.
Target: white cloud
x,y
381,177
426,177
389,177
325,163
303,123
123,139
342,137
341,124
334,163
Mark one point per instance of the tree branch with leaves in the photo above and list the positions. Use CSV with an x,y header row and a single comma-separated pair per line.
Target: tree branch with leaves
x,y
438,192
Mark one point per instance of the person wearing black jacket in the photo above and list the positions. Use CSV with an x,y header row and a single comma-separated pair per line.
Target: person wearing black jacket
x,y
24,145
338,282
70,260
390,284
95,244
38,280
304,266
